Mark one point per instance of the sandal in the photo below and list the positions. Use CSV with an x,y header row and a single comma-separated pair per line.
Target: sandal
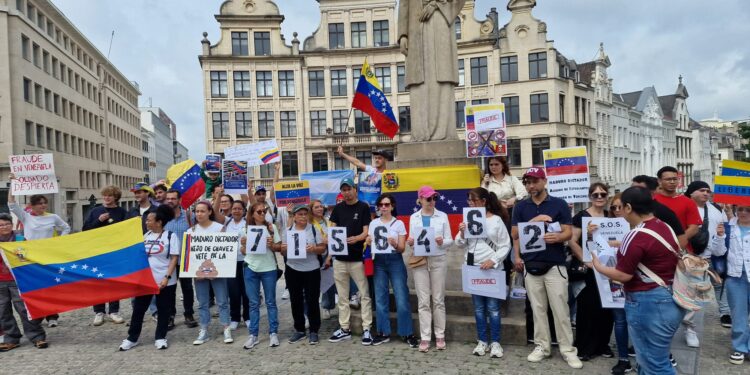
x,y
41,344
6,346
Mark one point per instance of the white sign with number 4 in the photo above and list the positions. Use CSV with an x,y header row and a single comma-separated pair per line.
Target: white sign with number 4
x,y
257,240
531,237
296,244
424,242
475,219
337,241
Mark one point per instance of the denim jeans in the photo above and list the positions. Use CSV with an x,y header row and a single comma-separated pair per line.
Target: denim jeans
x,y
487,308
721,298
328,298
202,287
738,295
621,333
653,318
253,281
390,268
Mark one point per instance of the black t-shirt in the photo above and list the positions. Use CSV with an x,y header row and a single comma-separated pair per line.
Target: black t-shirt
x,y
354,217
666,215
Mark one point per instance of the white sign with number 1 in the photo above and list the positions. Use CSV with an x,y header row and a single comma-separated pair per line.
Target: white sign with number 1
x,y
296,244
337,241
257,240
424,242
531,237
475,219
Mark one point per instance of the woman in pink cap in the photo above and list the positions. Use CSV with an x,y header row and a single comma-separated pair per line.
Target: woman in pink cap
x,y
429,272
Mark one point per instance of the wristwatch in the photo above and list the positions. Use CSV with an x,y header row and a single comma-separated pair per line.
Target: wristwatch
x,y
168,277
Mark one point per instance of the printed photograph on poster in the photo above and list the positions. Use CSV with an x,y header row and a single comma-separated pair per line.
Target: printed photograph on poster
x,y
213,163
35,174
567,173
612,293
488,283
234,177
209,255
369,187
485,130
609,230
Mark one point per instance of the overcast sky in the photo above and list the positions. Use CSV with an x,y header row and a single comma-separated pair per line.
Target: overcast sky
x,y
649,42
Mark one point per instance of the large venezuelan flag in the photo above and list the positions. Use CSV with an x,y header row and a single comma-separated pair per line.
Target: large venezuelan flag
x,y
370,99
452,183
186,178
732,190
735,168
65,273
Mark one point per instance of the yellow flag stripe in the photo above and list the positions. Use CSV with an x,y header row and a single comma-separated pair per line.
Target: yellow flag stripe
x,y
732,181
175,171
447,178
735,164
370,76
570,152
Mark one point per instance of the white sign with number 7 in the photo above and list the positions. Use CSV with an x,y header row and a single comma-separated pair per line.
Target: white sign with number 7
x,y
424,242
257,240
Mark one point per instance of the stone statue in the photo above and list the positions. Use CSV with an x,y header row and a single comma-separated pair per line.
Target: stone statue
x,y
428,40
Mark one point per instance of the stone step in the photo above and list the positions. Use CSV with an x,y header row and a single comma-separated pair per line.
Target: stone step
x,y
456,303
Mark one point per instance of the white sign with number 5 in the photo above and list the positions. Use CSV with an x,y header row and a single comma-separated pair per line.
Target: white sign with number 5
x,y
424,242
257,240
531,237
337,241
475,219
296,244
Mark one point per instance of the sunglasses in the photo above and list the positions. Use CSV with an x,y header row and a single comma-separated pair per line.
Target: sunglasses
x,y
615,208
260,212
599,195
384,204
430,199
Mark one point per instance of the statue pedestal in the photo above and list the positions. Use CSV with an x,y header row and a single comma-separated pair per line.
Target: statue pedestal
x,y
431,154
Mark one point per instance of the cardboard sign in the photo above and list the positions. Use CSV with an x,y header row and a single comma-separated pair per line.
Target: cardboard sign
x,y
257,240
209,255
488,283
424,242
475,219
297,192
380,244
612,293
234,177
608,230
296,244
531,237
35,174
258,153
485,130
568,173
337,245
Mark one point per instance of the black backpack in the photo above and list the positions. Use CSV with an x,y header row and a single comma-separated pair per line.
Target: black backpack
x,y
699,242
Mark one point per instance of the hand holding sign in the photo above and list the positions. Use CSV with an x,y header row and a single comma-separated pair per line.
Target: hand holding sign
x,y
337,241
380,241
475,219
531,237
296,244
257,240
424,242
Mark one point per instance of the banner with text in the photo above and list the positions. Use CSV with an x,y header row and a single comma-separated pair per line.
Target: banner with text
x,y
485,130
259,153
35,174
209,255
568,173
297,192
235,177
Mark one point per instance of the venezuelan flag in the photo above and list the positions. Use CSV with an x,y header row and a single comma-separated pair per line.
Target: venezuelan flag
x,y
270,156
65,273
452,183
564,161
732,190
369,98
185,177
735,168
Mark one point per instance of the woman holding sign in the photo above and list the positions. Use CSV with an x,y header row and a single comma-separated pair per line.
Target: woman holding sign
x,y
430,264
487,253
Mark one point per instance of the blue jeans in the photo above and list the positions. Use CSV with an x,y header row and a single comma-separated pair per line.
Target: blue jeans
x,y
621,333
391,268
202,287
487,308
653,318
738,296
253,281
328,298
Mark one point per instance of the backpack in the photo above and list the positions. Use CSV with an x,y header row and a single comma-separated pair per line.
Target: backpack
x,y
699,242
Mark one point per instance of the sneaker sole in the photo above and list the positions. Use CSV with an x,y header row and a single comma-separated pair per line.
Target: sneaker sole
x,y
726,325
478,354
249,347
340,339
737,362
496,356
296,341
380,342
313,342
228,341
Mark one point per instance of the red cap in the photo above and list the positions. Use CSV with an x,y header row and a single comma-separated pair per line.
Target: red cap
x,y
535,172
426,192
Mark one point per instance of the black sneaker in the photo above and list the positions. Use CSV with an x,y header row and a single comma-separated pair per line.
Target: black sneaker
x,y
297,337
622,367
607,353
380,339
672,360
631,351
170,324
313,340
726,321
410,340
340,335
190,321
366,338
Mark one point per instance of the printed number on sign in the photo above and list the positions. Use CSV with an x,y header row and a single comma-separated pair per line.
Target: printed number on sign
x,y
296,245
424,243
476,222
531,237
256,240
337,241
380,242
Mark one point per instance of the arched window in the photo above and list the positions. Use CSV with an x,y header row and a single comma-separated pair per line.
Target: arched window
x,y
457,28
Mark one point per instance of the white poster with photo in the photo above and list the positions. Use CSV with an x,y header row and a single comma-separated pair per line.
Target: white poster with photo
x,y
488,283
258,153
611,293
209,255
531,237
609,230
35,174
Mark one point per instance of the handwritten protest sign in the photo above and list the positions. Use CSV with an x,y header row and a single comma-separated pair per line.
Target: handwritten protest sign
x,y
258,153
425,244
297,192
485,130
235,176
35,174
568,173
209,255
488,283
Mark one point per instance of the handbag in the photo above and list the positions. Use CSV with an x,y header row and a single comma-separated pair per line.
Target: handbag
x,y
415,261
699,242
576,270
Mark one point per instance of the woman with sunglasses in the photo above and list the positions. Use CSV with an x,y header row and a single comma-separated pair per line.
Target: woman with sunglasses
x,y
238,302
262,270
429,273
487,253
593,323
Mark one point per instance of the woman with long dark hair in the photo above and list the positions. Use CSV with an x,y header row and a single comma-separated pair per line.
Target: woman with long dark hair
x,y
498,180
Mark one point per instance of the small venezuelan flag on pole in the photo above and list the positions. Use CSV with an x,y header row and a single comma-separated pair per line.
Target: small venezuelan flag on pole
x,y
369,98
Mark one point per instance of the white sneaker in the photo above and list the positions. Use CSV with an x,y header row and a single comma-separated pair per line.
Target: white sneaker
x,y
99,319
247,323
116,318
251,342
354,301
691,338
496,351
274,340
285,295
480,349
228,336
52,323
537,355
233,325
573,360
127,345
325,314
202,337
161,344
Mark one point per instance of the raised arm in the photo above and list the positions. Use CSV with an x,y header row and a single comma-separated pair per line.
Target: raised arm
x,y
351,159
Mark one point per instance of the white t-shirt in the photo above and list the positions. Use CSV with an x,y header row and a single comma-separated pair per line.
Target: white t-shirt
x,y
213,228
394,227
239,228
143,209
160,247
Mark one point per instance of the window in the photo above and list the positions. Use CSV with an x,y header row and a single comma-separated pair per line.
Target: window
x,y
404,119
265,125
340,163
243,121
356,74
537,65
50,29
50,146
512,110
58,141
319,161
384,78
401,78
27,90
40,136
264,84
145,164
338,82
241,84
380,33
35,55
361,122
461,73
364,156
480,101
318,123
539,108
514,152
460,115
31,12
359,34
479,71
29,133
288,121
537,146
340,121
457,28
38,96
144,146
66,140
218,84
335,35
220,125
286,83
509,68
289,166
48,100
262,43
239,44
562,108
19,5
25,47
317,85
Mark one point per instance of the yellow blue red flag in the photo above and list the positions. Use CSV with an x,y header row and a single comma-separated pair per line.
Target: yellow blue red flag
x,y
732,190
735,168
369,98
185,177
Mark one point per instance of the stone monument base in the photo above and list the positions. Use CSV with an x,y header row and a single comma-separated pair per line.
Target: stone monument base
x,y
431,154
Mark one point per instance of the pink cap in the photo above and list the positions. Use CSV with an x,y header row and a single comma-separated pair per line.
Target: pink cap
x,y
426,192
535,172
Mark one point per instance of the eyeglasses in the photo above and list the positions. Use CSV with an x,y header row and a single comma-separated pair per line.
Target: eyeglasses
x,y
599,195
260,212
472,200
6,224
430,199
384,204
615,208
743,209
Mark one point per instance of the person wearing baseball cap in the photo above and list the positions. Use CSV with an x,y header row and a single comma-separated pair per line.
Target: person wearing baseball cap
x,y
143,195
380,160
546,283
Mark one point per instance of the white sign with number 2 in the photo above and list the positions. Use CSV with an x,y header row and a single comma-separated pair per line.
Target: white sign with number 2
x,y
531,237
296,244
337,241
424,242
475,219
257,240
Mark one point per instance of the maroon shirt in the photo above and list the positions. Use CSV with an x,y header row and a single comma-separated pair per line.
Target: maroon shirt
x,y
638,247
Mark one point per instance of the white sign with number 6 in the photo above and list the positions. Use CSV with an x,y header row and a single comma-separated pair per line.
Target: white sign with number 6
x,y
424,242
337,241
531,237
257,240
296,244
475,219
380,243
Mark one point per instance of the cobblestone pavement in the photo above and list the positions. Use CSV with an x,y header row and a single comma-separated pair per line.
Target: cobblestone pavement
x,y
77,347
